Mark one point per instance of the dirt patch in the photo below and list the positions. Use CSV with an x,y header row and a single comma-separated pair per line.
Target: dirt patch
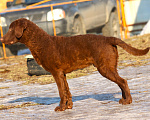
x,y
140,42
15,69
4,107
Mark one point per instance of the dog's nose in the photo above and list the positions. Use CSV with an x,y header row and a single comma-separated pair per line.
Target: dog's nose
x,y
1,39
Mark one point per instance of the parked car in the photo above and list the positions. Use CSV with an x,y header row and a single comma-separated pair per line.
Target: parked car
x,y
70,19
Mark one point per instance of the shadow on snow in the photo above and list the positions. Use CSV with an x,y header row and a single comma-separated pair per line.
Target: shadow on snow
x,y
52,100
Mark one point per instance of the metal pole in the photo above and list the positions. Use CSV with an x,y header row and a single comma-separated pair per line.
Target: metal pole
x,y
123,19
4,50
53,21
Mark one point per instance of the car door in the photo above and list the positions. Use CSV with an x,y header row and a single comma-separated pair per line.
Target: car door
x,y
100,11
87,10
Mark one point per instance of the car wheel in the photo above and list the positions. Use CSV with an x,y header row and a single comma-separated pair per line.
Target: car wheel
x,y
78,27
112,27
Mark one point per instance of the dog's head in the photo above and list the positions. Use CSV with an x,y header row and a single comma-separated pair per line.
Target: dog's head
x,y
15,31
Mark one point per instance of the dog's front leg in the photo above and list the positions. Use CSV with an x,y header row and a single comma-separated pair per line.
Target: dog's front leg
x,y
69,103
59,78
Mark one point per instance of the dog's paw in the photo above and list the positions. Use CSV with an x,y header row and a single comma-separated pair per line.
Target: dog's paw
x,y
69,105
58,108
125,101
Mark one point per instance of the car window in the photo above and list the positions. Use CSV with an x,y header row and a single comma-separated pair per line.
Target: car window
x,y
17,2
32,1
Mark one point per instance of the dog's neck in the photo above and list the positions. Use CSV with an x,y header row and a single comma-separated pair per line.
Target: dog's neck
x,y
34,36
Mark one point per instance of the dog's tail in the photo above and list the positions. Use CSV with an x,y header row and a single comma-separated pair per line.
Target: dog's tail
x,y
128,48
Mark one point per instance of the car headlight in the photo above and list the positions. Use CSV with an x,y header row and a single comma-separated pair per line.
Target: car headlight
x,y
58,14
3,22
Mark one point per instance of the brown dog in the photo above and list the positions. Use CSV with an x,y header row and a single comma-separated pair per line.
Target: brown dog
x,y
61,55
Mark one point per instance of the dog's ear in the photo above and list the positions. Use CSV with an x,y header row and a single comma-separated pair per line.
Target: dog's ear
x,y
18,31
20,26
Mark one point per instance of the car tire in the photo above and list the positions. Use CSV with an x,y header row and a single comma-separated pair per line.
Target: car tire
x,y
78,27
35,69
112,26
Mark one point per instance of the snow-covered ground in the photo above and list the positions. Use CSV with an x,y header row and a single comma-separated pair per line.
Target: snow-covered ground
x,y
94,97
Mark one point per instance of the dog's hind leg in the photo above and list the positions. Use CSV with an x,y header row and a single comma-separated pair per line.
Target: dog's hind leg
x,y
112,74
106,64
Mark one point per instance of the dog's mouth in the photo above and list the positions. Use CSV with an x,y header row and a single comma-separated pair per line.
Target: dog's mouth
x,y
7,42
12,42
1,39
